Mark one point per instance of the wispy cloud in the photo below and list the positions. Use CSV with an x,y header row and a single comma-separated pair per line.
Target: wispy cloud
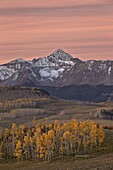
x,y
78,10
37,27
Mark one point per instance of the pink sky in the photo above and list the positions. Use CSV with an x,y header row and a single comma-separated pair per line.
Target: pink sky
x,y
36,28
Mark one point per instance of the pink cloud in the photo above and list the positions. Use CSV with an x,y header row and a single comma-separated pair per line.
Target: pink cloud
x,y
31,28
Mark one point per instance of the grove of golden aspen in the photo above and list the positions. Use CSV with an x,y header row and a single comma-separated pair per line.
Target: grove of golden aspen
x,y
44,141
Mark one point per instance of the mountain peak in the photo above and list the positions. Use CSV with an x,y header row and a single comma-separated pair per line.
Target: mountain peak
x,y
59,51
59,54
18,60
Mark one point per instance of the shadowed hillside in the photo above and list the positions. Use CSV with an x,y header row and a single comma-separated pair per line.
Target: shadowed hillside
x,y
14,93
89,93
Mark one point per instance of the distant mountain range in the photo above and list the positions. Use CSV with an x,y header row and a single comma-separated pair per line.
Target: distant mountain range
x,y
59,69
63,72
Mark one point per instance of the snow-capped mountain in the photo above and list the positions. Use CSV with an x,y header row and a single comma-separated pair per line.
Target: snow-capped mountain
x,y
58,69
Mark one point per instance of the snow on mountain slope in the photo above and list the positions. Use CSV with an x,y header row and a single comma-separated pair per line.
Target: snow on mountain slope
x,y
90,72
45,69
5,72
57,69
55,65
13,67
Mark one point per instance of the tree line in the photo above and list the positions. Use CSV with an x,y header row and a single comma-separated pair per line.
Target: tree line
x,y
16,92
22,103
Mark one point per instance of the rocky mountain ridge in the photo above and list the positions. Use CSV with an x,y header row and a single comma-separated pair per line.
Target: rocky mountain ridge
x,y
58,69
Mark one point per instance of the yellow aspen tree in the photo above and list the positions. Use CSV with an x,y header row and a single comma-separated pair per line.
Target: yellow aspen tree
x,y
100,135
58,133
68,143
14,131
18,150
80,136
93,136
39,147
86,138
26,146
50,143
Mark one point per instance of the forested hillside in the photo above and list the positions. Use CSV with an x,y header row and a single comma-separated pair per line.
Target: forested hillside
x,y
21,104
17,92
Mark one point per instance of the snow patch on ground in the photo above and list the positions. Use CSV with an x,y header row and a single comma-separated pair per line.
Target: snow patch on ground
x,y
103,66
109,70
15,77
90,64
44,73
47,73
61,70
54,74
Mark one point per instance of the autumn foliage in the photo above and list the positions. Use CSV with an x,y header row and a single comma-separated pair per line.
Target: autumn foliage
x,y
45,141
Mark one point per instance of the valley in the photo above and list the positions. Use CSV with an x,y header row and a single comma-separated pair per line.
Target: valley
x,y
22,104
